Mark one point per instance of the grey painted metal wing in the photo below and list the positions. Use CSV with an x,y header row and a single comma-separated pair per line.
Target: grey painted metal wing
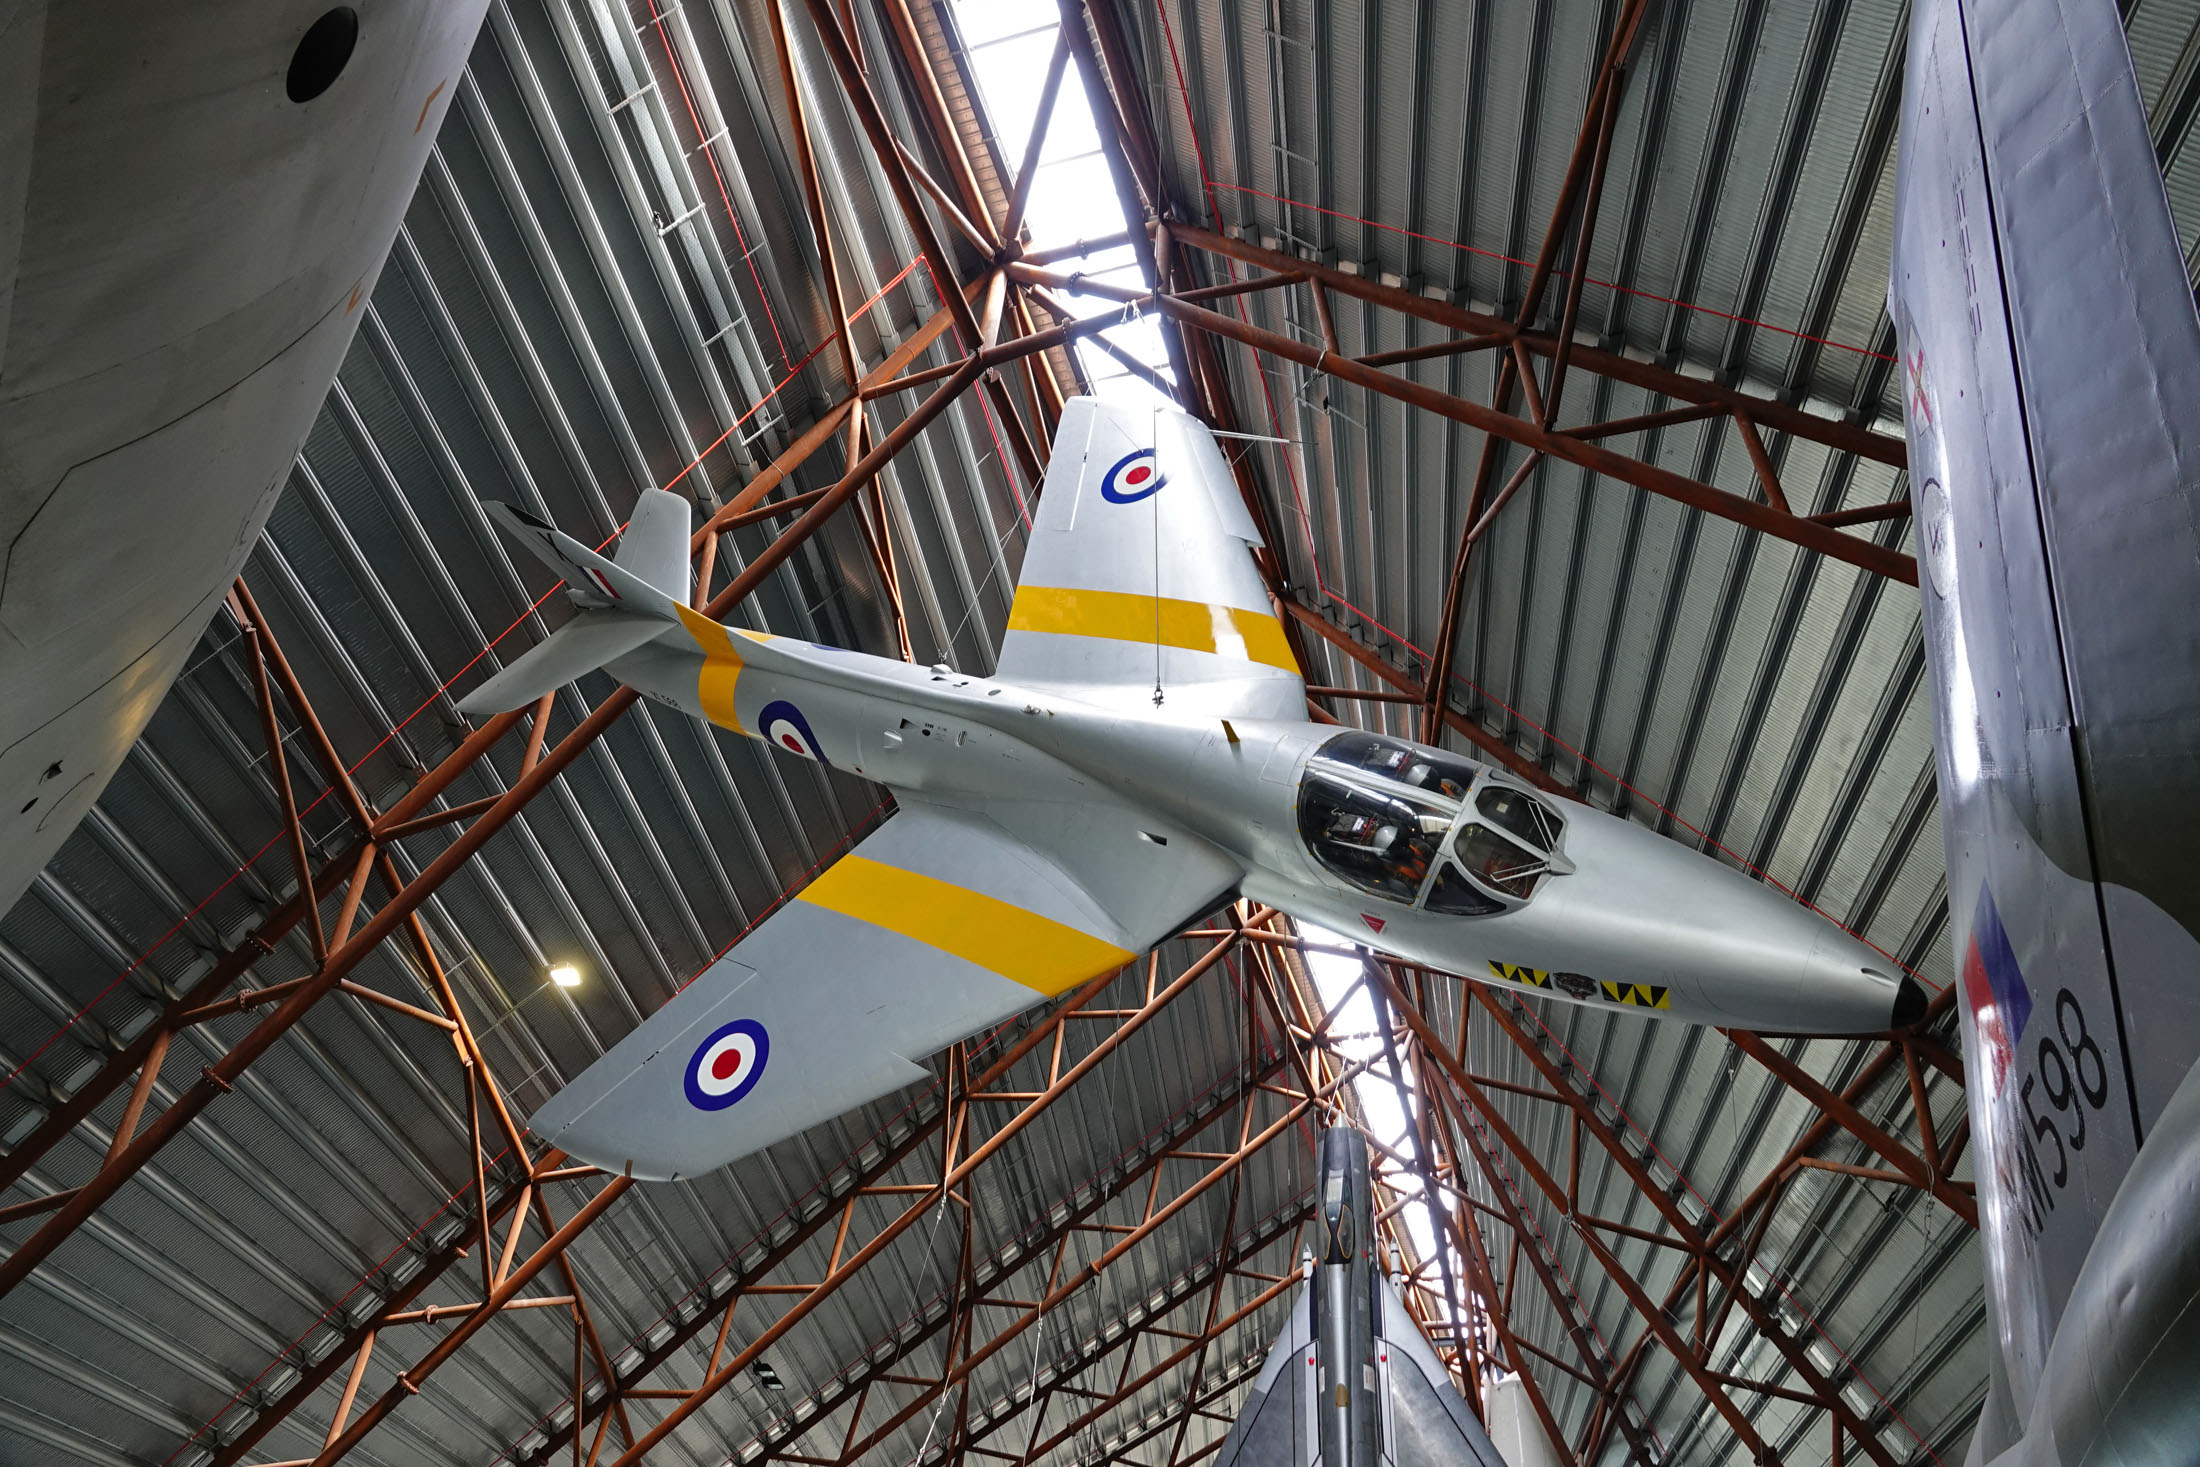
x,y
1272,1427
1430,1423
940,923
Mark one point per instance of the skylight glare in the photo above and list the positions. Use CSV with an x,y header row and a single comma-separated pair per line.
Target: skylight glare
x,y
1073,198
1382,1094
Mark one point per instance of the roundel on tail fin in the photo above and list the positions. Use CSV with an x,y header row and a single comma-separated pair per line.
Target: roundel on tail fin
x,y
1136,475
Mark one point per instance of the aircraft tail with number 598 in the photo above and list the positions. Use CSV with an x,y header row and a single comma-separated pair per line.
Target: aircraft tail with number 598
x,y
2051,390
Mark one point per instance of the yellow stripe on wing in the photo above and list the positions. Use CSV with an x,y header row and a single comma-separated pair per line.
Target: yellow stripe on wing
x,y
1022,946
1196,626
714,685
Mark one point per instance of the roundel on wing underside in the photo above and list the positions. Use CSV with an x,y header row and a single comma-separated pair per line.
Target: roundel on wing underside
x,y
726,1066
1134,476
783,726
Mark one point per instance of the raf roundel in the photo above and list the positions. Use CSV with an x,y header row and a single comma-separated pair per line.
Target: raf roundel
x,y
1136,475
784,727
726,1066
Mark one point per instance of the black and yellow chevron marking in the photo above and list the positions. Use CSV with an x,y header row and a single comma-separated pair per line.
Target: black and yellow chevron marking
x,y
1637,995
1513,973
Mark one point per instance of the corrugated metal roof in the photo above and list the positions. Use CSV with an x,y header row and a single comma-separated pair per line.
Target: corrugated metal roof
x,y
575,310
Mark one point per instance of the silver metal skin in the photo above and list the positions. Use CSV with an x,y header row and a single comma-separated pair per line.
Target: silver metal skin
x,y
1347,1404
1629,908
1351,1381
185,253
2051,385
1140,756
1623,905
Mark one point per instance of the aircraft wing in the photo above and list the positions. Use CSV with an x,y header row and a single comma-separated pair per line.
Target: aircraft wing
x,y
1274,1428
938,924
1430,1423
1138,576
1427,1423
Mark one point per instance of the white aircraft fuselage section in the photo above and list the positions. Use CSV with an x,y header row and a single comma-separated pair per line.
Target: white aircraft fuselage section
x,y
1638,921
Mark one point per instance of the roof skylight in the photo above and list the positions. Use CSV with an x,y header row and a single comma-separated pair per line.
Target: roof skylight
x,y
1073,197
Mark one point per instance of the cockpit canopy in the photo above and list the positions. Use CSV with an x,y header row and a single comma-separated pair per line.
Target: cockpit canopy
x,y
1412,825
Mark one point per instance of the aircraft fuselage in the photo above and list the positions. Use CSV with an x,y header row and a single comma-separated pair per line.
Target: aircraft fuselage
x,y
1625,918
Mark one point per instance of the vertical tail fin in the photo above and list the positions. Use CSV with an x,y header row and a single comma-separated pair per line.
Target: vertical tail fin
x,y
655,546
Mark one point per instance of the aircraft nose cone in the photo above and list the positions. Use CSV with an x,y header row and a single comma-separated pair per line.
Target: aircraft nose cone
x,y
1752,956
1910,1003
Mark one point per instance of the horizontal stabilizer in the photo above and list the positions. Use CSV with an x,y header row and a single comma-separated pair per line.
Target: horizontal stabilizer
x,y
625,602
1272,1430
574,650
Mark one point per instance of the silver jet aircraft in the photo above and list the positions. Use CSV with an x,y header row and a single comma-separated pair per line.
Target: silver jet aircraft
x,y
1141,753
2051,390
195,202
1351,1381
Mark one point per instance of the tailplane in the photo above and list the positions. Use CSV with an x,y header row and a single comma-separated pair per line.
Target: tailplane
x,y
624,603
650,575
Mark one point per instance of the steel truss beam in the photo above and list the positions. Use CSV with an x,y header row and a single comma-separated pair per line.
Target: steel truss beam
x,y
957,1176
857,1180
1438,1169
1712,1259
986,1091
1459,1134
1717,1257
1582,449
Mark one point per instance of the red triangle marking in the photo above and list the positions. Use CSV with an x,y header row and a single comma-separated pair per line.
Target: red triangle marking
x,y
1374,924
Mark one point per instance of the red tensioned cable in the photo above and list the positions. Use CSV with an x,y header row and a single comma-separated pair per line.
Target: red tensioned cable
x,y
1778,1283
777,902
1314,559
1209,183
1648,295
642,1335
158,943
702,141
992,430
